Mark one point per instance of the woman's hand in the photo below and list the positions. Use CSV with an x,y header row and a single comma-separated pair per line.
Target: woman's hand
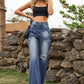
x,y
29,17
32,19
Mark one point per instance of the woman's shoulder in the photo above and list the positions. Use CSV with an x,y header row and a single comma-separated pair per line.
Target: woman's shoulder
x,y
29,4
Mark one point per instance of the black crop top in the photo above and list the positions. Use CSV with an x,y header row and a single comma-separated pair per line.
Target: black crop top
x,y
40,11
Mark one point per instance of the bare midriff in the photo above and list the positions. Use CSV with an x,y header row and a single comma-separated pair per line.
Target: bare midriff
x,y
40,18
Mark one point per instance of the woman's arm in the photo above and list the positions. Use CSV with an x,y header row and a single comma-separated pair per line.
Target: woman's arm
x,y
50,7
20,9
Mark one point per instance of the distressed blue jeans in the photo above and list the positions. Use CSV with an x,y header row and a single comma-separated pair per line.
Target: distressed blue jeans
x,y
39,43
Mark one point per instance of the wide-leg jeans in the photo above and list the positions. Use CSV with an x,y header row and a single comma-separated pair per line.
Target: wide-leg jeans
x,y
39,43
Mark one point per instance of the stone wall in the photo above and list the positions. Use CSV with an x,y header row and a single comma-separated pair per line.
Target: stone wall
x,y
66,55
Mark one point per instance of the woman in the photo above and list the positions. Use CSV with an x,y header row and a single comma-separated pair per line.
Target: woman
x,y
39,38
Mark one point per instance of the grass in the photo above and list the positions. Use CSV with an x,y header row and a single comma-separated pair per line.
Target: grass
x,y
8,76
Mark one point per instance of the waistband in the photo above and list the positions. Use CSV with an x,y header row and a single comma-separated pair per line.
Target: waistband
x,y
39,22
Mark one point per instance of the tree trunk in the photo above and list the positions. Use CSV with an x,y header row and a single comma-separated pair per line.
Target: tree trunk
x,y
2,23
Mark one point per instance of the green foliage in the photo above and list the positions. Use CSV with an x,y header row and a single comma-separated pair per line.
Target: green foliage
x,y
19,18
15,19
80,26
75,14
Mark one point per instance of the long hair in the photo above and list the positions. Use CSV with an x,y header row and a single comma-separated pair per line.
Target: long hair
x,y
34,1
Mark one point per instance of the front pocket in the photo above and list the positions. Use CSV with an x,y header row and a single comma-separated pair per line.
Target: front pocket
x,y
33,25
46,26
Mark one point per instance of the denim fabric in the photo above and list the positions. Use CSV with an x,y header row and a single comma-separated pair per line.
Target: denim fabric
x,y
39,43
